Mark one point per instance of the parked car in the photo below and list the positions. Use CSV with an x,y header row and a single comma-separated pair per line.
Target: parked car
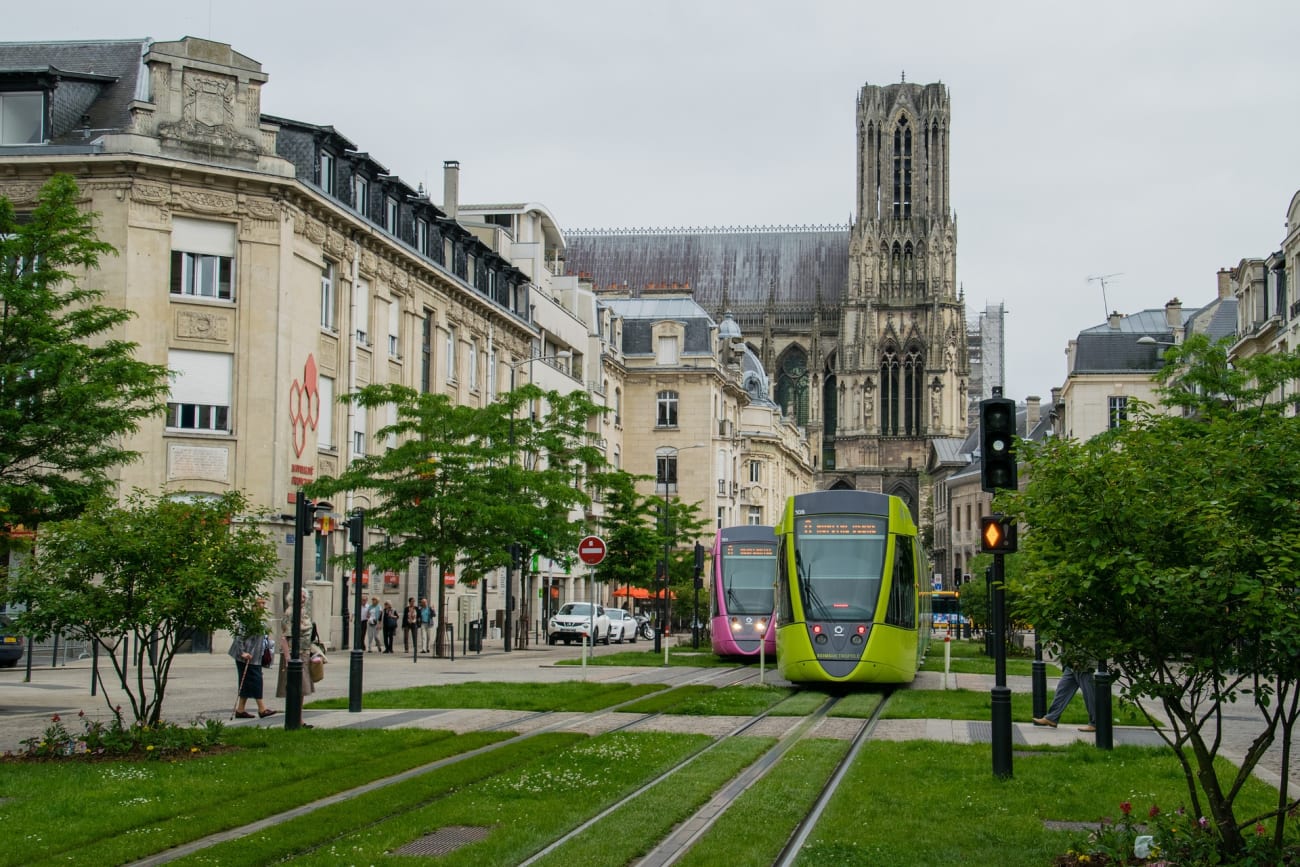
x,y
11,644
576,619
622,626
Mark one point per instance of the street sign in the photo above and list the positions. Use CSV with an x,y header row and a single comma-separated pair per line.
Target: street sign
x,y
591,550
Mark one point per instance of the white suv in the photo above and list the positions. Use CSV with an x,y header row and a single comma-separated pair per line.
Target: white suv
x,y
575,620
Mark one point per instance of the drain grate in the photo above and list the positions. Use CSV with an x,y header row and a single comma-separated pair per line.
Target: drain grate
x,y
443,841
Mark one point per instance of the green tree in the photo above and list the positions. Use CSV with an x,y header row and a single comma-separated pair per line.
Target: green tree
x,y
69,390
686,527
137,578
460,483
1169,548
631,552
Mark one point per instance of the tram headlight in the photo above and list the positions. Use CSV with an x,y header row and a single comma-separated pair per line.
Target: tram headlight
x,y
736,625
761,626
855,638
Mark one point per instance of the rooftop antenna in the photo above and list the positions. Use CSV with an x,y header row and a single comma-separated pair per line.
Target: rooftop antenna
x,y
1102,278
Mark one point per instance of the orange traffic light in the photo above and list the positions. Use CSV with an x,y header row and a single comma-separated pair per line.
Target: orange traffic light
x,y
997,535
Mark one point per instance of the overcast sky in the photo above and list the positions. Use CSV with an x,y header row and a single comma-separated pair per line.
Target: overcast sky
x,y
1156,141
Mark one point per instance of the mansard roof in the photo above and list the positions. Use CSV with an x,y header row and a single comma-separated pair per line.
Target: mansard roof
x,y
1115,349
640,314
788,266
102,78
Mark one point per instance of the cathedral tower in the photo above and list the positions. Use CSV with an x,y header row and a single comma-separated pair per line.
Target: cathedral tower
x,y
899,377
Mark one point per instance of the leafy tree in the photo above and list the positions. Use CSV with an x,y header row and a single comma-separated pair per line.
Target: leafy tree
x,y
1169,548
631,552
686,526
69,390
137,578
461,483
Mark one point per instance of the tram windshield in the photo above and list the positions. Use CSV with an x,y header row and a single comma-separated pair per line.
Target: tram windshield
x,y
840,560
748,576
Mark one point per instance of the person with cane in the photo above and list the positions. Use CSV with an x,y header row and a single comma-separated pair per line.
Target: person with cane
x,y
246,650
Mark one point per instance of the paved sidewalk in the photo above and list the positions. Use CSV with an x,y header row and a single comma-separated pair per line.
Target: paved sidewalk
x,y
203,685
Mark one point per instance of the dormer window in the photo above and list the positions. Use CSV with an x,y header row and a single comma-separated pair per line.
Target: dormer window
x,y
22,118
361,195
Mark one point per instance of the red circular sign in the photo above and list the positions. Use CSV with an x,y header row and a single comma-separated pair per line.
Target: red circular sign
x,y
591,550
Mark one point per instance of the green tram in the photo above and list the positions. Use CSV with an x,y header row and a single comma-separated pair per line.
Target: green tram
x,y
850,579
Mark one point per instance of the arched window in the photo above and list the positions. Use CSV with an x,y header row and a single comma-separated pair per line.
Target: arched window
x,y
902,170
902,379
792,384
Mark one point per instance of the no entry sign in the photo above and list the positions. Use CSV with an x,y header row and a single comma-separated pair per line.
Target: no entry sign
x,y
591,550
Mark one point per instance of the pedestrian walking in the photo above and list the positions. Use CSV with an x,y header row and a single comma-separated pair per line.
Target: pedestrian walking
x,y
410,623
286,648
1072,680
247,649
374,624
390,626
427,616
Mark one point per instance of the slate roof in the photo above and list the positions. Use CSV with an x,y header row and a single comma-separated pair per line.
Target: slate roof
x,y
640,314
749,264
1106,349
98,79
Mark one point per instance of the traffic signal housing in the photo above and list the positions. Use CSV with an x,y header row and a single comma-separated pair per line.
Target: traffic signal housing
x,y
998,444
997,535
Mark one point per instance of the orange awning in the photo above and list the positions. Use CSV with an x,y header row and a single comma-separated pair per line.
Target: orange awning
x,y
636,593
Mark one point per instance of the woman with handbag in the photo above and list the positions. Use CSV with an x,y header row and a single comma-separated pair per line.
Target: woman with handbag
x,y
304,636
410,623
247,649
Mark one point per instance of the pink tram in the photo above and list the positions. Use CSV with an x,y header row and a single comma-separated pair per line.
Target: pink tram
x,y
744,592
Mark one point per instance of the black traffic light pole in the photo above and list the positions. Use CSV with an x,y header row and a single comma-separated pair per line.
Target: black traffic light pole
x,y
304,514
998,470
357,536
699,582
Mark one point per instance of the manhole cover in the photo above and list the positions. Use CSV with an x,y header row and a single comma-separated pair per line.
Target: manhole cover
x,y
443,840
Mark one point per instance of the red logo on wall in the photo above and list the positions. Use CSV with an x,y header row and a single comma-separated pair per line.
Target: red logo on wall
x,y
304,405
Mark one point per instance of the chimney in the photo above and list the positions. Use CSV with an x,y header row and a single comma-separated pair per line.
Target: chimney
x,y
1114,318
1174,313
451,187
1225,283
1032,413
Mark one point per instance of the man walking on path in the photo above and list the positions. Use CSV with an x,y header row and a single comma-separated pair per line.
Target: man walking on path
x,y
1071,681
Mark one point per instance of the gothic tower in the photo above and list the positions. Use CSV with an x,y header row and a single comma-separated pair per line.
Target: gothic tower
x,y
899,377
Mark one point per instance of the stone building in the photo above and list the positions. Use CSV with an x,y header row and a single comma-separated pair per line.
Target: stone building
x,y
862,327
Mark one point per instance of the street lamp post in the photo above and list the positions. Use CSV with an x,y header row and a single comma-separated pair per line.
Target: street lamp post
x,y
662,631
516,550
304,514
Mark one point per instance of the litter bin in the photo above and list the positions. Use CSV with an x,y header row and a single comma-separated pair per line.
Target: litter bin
x,y
476,636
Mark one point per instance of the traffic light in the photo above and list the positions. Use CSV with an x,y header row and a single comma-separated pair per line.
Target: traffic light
x,y
997,443
997,535
356,528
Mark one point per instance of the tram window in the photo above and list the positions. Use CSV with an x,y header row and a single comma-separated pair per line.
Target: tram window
x,y
902,593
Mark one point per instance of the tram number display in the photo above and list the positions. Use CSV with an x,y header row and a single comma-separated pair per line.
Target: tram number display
x,y
824,526
733,549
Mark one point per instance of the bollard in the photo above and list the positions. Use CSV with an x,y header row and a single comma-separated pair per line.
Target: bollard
x,y
1101,680
1038,677
947,658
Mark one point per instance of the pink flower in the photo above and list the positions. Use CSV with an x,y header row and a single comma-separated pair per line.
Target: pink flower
x,y
1154,811
1125,807
1202,823
1260,830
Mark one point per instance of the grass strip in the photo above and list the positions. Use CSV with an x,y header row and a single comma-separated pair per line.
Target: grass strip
x,y
141,808
569,695
802,703
733,701
985,665
858,705
925,802
527,807
666,702
759,822
303,835
677,656
635,828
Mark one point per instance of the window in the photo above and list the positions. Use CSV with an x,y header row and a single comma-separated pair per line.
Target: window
x,y
359,433
755,471
426,352
361,311
326,179
390,442
667,350
492,373
203,259
325,423
361,195
618,406
901,392
473,365
200,391
667,409
422,236
666,471
1118,411
394,326
22,118
451,353
754,515
390,214
328,300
